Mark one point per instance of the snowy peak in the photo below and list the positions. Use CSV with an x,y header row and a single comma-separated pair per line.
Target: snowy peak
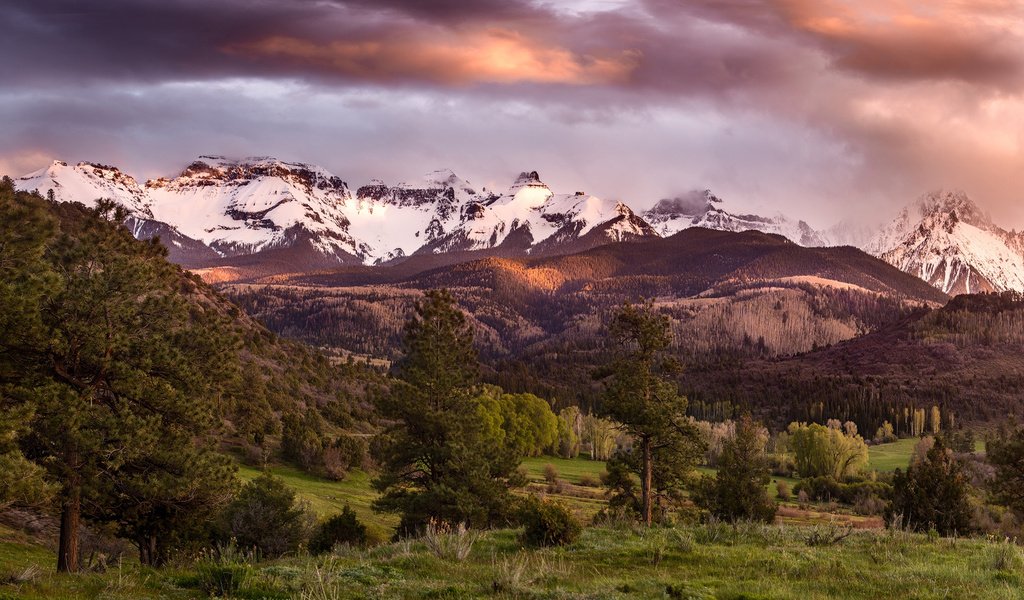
x,y
213,170
396,221
259,203
527,179
701,208
947,240
86,183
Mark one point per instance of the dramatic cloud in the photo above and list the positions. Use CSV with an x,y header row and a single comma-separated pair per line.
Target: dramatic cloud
x,y
493,56
824,109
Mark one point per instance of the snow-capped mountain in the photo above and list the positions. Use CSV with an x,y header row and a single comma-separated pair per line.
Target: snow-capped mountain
x,y
531,218
703,209
88,182
222,208
256,204
399,220
945,239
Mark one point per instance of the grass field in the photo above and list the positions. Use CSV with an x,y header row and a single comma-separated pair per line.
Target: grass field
x,y
791,560
569,469
889,457
329,497
696,562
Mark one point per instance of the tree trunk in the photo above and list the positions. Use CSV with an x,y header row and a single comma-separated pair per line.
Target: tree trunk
x,y
148,554
70,518
647,481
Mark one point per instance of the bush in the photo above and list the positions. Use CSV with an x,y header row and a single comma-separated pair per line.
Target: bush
x,y
346,453
343,528
869,505
550,473
821,489
590,481
448,542
265,517
783,490
781,465
548,524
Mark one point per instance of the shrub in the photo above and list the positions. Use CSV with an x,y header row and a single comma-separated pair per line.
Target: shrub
x,y
224,571
266,517
550,473
869,505
802,498
823,489
343,528
447,542
782,465
590,481
548,524
783,490
346,453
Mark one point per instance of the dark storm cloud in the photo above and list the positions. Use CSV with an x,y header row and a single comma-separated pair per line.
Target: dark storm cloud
x,y
748,96
61,40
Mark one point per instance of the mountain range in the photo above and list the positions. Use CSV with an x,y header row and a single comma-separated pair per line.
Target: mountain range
x,y
261,215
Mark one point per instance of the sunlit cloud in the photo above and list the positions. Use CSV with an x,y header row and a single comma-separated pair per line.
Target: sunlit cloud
x,y
493,56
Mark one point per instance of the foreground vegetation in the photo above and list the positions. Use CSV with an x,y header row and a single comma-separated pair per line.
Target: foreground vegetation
x,y
699,561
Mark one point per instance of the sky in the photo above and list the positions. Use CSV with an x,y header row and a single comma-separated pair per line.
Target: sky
x,y
825,110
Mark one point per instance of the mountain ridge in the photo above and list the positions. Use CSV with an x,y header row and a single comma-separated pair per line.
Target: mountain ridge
x,y
262,215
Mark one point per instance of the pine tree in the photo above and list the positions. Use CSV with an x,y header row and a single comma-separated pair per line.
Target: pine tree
x,y
643,397
1006,454
436,460
934,493
127,376
739,491
26,228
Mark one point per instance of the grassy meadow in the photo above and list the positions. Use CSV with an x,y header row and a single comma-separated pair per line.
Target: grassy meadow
x,y
712,561
805,555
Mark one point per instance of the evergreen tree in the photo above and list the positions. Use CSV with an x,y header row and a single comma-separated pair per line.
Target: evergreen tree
x,y
266,517
164,498
437,461
1006,454
127,374
643,397
26,228
933,493
739,491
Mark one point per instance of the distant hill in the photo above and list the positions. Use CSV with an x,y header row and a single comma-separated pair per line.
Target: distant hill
x,y
539,320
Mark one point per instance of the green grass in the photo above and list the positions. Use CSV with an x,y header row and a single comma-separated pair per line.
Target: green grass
x,y
889,457
327,497
572,470
699,561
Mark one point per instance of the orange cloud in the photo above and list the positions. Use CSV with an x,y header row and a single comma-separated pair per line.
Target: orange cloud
x,y
959,39
494,56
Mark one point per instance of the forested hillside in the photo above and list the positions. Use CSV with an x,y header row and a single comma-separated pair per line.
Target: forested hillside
x,y
730,297
123,378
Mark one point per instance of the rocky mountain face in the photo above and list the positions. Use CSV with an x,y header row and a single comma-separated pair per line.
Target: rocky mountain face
x,y
945,239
